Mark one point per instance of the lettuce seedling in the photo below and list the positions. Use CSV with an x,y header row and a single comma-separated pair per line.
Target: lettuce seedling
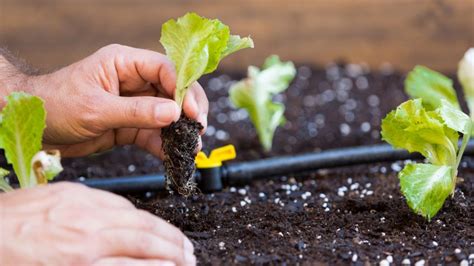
x,y
431,124
195,45
255,94
22,123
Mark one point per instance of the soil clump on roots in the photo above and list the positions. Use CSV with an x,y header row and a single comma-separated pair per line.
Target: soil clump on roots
x,y
180,142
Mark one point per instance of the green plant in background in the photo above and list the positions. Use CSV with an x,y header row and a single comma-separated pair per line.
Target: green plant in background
x,y
255,94
466,77
196,45
431,124
22,123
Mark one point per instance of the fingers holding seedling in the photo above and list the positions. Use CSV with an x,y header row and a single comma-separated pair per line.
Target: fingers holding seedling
x,y
138,112
195,45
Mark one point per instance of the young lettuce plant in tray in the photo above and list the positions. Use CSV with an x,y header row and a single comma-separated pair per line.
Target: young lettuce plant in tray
x,y
431,124
22,123
255,93
195,45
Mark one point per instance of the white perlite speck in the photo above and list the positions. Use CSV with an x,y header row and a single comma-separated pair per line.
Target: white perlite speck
x,y
354,258
420,263
389,259
221,245
234,209
435,244
345,129
365,127
457,251
306,195
384,263
242,191
406,262
464,263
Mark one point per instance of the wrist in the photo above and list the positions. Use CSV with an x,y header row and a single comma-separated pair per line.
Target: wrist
x,y
11,80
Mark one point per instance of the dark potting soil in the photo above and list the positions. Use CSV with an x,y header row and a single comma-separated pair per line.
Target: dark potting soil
x,y
353,215
180,141
350,216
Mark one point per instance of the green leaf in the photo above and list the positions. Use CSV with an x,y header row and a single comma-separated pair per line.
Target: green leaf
x,y
196,45
426,187
271,61
413,128
21,132
3,183
255,93
466,78
454,118
236,43
430,86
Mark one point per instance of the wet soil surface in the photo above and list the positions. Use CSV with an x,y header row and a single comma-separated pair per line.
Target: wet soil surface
x,y
350,215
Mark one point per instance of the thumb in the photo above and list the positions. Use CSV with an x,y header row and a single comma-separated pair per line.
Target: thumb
x,y
139,112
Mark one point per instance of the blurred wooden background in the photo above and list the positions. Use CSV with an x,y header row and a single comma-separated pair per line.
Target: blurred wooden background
x,y
53,33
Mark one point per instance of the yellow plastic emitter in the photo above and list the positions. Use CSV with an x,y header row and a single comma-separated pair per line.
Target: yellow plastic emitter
x,y
216,158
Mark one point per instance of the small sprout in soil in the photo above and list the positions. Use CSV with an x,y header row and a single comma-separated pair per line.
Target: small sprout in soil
x,y
22,123
196,45
430,124
255,94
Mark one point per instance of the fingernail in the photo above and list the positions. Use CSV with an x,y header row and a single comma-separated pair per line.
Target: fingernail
x,y
203,119
188,246
167,112
189,252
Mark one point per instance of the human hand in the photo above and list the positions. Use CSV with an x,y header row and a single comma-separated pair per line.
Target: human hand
x,y
118,95
70,224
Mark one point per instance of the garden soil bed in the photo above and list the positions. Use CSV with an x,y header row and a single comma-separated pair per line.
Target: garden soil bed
x,y
354,215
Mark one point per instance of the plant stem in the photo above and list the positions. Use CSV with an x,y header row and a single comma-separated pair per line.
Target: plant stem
x,y
465,140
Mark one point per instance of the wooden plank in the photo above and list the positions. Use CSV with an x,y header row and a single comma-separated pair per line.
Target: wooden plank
x,y
53,33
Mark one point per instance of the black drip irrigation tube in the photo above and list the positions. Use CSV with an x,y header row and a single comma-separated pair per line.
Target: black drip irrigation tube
x,y
215,179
